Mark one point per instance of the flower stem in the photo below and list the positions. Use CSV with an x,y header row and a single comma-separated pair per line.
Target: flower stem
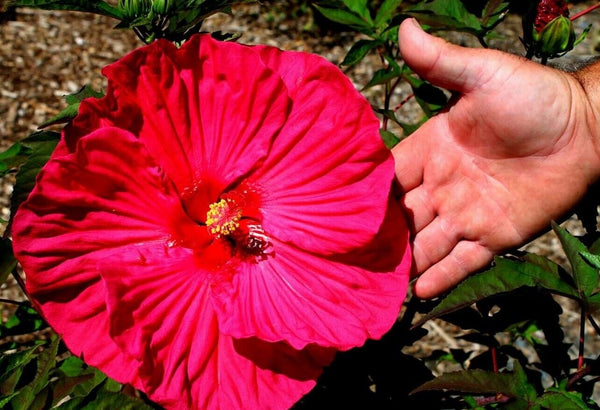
x,y
19,280
584,12
13,302
581,339
594,324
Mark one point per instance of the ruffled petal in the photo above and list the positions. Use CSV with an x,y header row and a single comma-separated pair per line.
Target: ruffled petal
x,y
205,123
303,298
328,174
85,206
161,314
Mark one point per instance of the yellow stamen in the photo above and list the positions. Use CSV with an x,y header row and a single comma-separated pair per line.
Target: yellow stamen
x,y
223,217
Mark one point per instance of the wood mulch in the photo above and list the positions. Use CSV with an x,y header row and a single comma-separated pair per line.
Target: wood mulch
x,y
45,55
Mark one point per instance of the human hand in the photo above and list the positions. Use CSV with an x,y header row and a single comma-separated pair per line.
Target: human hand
x,y
517,148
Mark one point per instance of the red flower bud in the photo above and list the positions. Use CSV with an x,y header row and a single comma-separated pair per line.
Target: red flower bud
x,y
548,10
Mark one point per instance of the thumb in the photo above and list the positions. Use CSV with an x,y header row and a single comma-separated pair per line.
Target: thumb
x,y
443,64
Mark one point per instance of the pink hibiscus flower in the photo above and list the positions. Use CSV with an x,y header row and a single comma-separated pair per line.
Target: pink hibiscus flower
x,y
217,225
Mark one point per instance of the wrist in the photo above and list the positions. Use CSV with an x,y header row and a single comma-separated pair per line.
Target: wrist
x,y
586,108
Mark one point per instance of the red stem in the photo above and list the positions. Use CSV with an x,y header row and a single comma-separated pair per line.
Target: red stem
x,y
584,12
581,340
404,101
494,359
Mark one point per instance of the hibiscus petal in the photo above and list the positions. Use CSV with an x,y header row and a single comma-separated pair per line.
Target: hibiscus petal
x,y
202,120
303,298
160,313
83,207
328,175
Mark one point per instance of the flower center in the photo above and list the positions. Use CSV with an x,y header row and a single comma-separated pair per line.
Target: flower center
x,y
223,217
236,218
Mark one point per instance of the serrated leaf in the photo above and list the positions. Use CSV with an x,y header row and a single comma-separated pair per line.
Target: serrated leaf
x,y
110,400
592,259
73,101
544,263
7,259
90,6
386,12
478,381
45,362
346,18
586,277
359,7
42,145
505,276
85,388
65,385
12,366
561,399
446,14
359,50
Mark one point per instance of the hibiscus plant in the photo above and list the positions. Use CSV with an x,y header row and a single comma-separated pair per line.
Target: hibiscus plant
x,y
201,236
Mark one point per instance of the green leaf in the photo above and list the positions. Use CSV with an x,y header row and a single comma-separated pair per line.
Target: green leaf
x,y
593,304
346,18
477,381
91,6
359,50
73,101
585,276
592,259
12,366
389,138
595,247
25,320
386,12
505,276
12,158
582,36
110,400
41,145
45,362
494,12
7,259
104,396
361,8
447,15
555,398
382,76
431,99
544,263
65,385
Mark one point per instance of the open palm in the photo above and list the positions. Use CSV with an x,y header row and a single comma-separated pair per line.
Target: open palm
x,y
512,152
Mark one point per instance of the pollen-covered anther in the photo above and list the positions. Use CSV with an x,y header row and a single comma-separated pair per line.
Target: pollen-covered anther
x,y
223,217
